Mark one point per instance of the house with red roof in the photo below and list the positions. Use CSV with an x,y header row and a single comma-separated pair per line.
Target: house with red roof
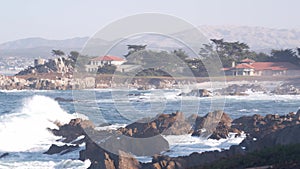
x,y
100,61
249,67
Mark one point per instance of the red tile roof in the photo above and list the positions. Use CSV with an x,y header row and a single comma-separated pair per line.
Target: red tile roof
x,y
274,66
107,58
244,66
265,66
247,60
226,68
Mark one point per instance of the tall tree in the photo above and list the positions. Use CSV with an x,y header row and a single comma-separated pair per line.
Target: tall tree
x,y
180,53
197,67
226,51
57,52
134,48
74,55
233,50
285,55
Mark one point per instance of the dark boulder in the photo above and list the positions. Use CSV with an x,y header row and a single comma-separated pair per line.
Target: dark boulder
x,y
215,125
286,136
55,149
4,155
239,90
126,161
259,126
197,93
286,89
60,99
136,146
166,124
72,130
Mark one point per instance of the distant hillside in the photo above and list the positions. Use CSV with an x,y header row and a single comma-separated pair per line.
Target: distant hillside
x,y
39,47
258,38
40,42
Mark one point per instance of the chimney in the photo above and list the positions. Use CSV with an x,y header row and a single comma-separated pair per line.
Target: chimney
x,y
233,64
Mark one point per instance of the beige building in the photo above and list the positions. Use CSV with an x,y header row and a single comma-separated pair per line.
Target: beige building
x,y
100,61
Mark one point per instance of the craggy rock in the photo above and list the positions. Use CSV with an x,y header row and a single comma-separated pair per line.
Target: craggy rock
x,y
223,128
10,83
198,93
73,130
239,90
269,130
126,161
286,89
4,155
215,125
54,149
258,126
114,142
110,149
60,99
103,147
193,160
101,158
98,156
21,83
285,136
56,80
263,127
290,134
58,65
167,124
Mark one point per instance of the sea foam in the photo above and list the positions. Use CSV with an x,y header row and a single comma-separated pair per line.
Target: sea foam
x,y
26,128
183,145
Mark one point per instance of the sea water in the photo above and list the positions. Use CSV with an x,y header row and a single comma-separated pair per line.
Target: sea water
x,y
26,115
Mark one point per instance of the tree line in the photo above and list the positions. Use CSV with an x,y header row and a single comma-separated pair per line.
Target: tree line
x,y
237,51
226,51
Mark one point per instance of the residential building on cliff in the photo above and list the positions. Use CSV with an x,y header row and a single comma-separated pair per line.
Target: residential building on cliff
x,y
100,61
249,67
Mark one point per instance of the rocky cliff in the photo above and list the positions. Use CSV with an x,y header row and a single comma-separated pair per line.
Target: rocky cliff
x,y
57,65
106,149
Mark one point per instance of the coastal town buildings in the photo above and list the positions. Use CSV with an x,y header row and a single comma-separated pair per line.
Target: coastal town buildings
x,y
249,67
10,65
100,61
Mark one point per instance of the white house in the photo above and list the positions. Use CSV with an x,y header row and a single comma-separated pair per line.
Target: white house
x,y
100,61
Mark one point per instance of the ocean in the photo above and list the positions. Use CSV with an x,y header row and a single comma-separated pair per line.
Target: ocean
x,y
26,115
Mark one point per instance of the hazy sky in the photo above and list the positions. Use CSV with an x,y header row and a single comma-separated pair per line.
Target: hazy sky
x,y
60,19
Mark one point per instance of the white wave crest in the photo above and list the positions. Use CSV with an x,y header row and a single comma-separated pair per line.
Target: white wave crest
x,y
26,130
184,145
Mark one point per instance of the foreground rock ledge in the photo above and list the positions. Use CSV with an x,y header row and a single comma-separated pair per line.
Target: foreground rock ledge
x,y
262,133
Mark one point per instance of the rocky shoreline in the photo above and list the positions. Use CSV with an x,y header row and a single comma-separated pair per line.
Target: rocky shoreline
x,y
114,149
67,82
57,81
